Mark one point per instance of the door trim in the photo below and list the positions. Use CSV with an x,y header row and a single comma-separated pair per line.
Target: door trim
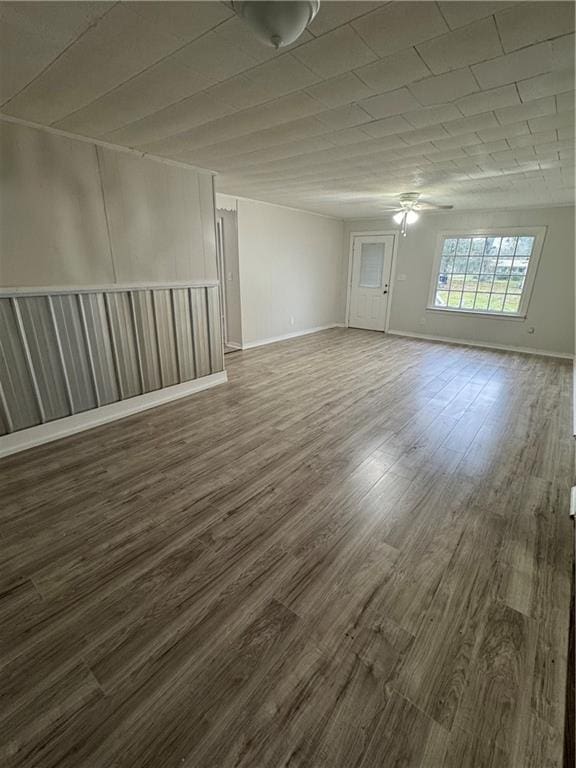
x,y
376,233
221,278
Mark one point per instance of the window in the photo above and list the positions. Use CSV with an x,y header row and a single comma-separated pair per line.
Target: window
x,y
371,264
486,272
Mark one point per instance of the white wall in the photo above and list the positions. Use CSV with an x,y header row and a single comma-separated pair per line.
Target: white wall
x,y
551,309
290,269
72,213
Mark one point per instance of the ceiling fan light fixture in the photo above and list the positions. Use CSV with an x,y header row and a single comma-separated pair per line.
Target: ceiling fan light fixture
x,y
277,23
412,217
410,208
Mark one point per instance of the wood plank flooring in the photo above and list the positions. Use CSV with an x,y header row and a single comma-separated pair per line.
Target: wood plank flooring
x,y
357,554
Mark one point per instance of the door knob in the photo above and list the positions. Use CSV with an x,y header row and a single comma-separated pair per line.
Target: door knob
x,y
384,291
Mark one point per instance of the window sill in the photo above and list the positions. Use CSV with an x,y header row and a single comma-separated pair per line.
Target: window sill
x,y
476,313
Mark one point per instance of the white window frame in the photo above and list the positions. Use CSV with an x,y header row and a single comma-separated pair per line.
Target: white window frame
x,y
539,233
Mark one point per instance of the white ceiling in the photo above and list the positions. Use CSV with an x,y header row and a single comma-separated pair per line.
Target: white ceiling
x,y
471,103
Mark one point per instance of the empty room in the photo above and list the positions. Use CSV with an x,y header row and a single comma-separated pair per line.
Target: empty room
x,y
287,344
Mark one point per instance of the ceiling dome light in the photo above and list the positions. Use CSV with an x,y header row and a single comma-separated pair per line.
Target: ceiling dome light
x,y
277,23
411,217
398,217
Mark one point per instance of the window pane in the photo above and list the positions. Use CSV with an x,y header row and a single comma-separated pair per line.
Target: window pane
x,y
454,298
441,298
492,246
500,285
515,284
449,248
443,280
508,246
496,302
457,283
471,283
474,264
463,247
477,246
371,264
482,300
460,264
520,265
525,245
468,300
512,304
504,265
447,264
485,283
489,265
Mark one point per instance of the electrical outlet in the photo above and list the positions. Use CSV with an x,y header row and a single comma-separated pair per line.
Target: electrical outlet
x,y
292,320
422,321
531,330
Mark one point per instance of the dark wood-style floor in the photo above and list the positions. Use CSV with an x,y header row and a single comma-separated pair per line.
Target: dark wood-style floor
x,y
356,554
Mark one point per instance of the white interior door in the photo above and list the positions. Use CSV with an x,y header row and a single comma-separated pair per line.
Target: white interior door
x,y
369,288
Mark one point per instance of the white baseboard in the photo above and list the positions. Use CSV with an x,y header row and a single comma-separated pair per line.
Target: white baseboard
x,y
483,344
293,335
70,425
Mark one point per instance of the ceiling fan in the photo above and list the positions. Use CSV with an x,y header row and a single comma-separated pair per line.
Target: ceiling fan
x,y
410,206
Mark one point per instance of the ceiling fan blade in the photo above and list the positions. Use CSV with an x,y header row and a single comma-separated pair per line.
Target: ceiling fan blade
x,y
391,208
424,206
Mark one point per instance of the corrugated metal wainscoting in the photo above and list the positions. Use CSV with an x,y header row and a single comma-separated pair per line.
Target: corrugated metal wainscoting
x,y
63,352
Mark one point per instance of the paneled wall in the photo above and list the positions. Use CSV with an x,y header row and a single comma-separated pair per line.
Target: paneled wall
x,y
72,213
62,353
52,219
160,218
108,272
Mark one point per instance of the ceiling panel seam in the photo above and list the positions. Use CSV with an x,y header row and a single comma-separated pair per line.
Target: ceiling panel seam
x,y
62,52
